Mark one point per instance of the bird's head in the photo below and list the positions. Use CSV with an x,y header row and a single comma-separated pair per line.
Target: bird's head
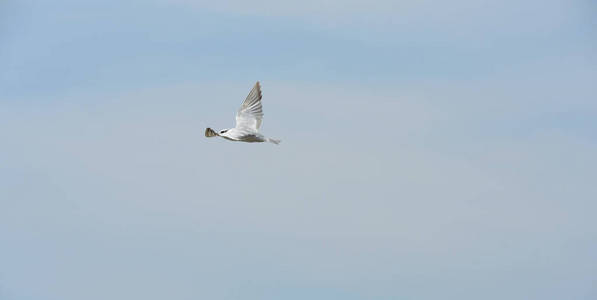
x,y
223,131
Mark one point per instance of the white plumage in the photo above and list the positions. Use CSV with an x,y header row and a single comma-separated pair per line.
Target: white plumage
x,y
248,121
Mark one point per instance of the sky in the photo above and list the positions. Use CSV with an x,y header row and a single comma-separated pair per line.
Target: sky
x,y
429,150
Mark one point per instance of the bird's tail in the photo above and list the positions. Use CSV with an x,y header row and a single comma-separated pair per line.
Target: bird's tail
x,y
210,132
273,141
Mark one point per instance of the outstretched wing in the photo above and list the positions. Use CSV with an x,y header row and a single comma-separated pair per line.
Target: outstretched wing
x,y
250,113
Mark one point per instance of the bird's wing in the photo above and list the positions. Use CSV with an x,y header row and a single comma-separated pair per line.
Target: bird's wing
x,y
250,113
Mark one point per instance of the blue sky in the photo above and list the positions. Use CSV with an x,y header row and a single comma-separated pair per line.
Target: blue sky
x,y
430,150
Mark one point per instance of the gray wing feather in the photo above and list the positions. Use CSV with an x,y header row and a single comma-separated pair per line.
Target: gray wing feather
x,y
250,113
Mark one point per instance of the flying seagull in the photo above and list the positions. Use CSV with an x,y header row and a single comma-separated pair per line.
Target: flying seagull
x,y
248,121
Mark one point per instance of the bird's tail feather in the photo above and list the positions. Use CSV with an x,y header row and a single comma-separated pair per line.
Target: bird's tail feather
x,y
210,132
273,141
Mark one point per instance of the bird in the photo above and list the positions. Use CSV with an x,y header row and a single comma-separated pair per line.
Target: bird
x,y
248,121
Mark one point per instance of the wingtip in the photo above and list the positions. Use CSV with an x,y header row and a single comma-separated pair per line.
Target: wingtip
x,y
258,86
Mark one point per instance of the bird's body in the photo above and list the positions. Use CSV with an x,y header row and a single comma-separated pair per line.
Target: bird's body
x,y
248,121
242,136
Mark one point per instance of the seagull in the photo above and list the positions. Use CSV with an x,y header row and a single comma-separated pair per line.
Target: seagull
x,y
248,121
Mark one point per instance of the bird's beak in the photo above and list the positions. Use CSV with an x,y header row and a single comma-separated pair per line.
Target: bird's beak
x,y
210,132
